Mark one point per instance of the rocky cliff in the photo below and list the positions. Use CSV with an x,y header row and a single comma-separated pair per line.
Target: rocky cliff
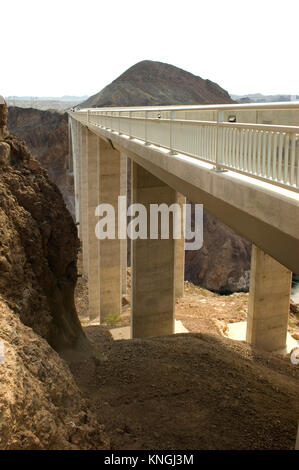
x,y
46,134
38,247
40,404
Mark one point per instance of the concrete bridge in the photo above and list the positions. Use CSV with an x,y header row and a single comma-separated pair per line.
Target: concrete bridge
x,y
240,161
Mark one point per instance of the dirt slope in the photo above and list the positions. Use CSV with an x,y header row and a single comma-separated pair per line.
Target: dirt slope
x,y
188,391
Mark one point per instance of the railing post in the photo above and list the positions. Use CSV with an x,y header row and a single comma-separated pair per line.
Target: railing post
x,y
218,167
130,128
172,118
145,128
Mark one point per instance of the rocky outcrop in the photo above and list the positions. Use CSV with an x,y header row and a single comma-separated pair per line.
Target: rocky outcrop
x,y
150,83
38,247
46,134
41,407
40,404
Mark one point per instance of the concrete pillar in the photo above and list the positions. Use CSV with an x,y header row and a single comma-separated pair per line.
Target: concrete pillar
x,y
180,254
269,302
152,306
84,198
92,153
76,168
79,164
110,263
123,242
70,166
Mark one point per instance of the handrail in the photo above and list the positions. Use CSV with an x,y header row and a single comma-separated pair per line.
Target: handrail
x,y
210,107
269,152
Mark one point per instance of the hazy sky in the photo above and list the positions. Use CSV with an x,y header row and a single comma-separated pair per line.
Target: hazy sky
x,y
57,47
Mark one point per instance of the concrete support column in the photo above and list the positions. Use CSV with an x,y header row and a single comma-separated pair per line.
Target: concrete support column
x,y
92,153
123,242
70,166
152,263
110,262
180,254
84,198
76,168
79,163
269,302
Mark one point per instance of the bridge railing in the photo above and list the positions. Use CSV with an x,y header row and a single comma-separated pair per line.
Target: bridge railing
x,y
265,151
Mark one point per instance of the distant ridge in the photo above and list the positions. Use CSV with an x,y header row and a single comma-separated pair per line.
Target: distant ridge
x,y
259,98
47,98
150,83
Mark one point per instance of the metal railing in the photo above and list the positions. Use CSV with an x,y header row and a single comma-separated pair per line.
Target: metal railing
x,y
265,151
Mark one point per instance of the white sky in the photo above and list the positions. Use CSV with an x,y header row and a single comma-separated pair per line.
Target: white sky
x,y
57,47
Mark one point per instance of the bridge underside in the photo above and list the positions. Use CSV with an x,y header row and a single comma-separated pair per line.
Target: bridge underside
x,y
267,216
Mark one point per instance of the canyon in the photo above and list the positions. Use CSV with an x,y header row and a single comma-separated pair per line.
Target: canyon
x,y
223,264
65,384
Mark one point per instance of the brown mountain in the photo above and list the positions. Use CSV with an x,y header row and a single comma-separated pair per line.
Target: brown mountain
x,y
150,83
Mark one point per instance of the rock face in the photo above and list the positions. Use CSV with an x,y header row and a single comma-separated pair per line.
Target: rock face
x,y
40,404
223,263
41,407
46,134
150,83
38,247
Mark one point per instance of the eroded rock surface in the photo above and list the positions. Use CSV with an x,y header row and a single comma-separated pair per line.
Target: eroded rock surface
x,y
38,247
46,134
41,407
40,404
223,263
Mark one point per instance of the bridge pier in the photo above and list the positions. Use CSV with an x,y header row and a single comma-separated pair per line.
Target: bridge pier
x,y
110,249
269,301
153,263
92,160
123,242
76,168
84,197
180,254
